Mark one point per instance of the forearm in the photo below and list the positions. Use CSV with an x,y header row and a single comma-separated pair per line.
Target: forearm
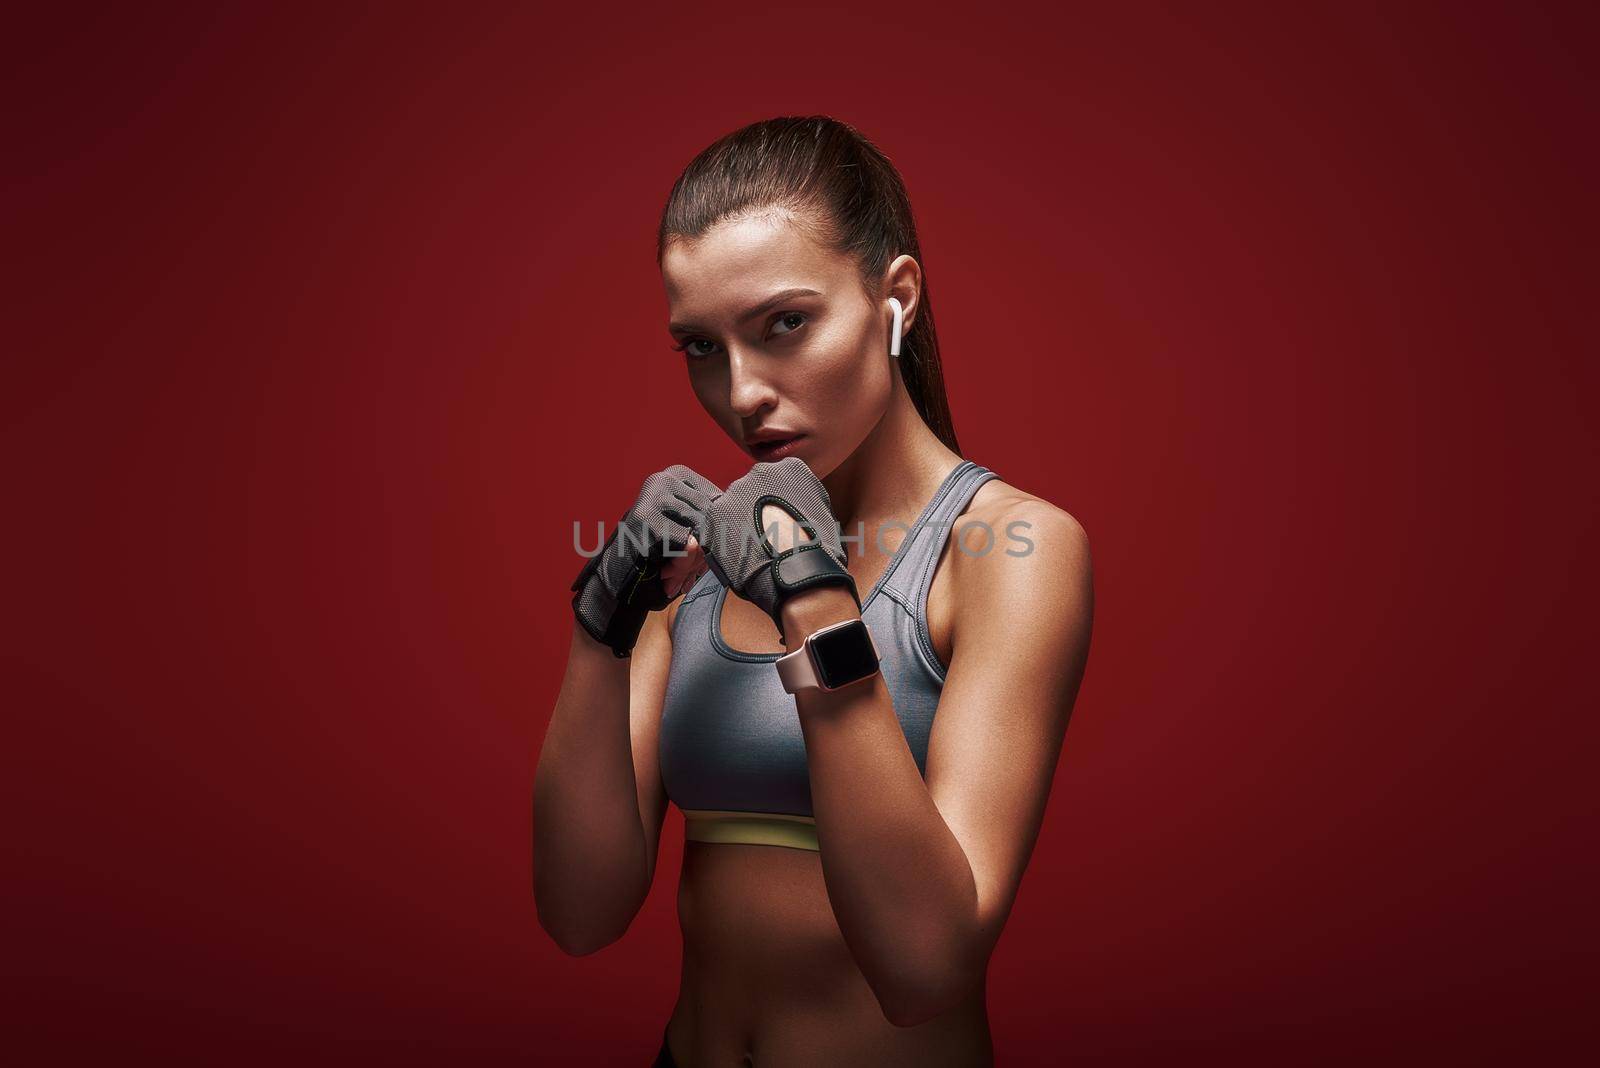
x,y
900,885
591,862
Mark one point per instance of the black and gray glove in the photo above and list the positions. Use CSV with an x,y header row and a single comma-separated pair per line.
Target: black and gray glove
x,y
737,548
621,584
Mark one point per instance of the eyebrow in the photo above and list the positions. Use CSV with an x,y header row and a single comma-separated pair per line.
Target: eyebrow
x,y
750,313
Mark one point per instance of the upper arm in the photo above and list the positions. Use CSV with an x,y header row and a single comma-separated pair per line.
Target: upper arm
x,y
1019,643
647,689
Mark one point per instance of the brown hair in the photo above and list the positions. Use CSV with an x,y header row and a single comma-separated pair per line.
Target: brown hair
x,y
851,199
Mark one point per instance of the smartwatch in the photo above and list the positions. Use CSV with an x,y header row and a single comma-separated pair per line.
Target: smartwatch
x,y
831,658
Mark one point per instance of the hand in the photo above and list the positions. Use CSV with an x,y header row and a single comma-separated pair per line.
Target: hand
x,y
679,573
633,574
793,544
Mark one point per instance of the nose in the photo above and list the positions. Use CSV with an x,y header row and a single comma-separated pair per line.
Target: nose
x,y
748,387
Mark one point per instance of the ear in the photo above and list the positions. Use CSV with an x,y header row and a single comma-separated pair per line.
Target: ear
x,y
903,281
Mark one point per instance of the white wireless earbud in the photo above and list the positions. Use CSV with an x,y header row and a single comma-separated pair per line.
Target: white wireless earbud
x,y
894,336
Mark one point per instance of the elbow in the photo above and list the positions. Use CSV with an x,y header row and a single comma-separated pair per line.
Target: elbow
x,y
909,1004
579,924
915,996
579,920
576,938
578,943
938,976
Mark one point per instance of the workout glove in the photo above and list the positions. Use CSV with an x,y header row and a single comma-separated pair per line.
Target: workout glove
x,y
621,584
737,549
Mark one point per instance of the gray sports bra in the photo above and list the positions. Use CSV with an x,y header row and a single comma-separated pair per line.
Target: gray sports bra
x,y
732,756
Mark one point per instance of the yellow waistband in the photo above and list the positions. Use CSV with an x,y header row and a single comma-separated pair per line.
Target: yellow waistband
x,y
750,828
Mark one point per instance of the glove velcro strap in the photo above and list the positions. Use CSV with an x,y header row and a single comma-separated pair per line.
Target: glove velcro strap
x,y
623,632
806,566
606,621
613,620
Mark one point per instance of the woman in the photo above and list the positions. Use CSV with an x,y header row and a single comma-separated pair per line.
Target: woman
x,y
852,850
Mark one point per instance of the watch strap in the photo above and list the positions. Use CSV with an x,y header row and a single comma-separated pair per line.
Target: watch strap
x,y
797,671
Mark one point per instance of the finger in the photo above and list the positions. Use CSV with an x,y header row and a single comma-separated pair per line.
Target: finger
x,y
684,571
698,497
682,519
688,476
676,532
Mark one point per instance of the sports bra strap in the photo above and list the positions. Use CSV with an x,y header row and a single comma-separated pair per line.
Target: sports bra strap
x,y
911,572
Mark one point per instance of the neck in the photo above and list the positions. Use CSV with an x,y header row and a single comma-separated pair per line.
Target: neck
x,y
892,474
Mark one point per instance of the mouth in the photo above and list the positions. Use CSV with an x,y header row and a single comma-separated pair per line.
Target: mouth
x,y
775,449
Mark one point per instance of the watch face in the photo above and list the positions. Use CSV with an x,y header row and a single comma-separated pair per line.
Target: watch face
x,y
844,655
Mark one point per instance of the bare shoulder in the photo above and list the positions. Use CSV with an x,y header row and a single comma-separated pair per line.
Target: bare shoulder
x,y
1024,609
1016,526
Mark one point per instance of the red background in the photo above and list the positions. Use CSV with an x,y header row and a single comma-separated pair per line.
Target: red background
x,y
325,324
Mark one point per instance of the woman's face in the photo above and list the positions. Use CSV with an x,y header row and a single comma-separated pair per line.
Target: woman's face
x,y
779,338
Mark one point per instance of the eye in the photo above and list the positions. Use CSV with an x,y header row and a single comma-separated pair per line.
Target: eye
x,y
688,349
790,317
788,321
